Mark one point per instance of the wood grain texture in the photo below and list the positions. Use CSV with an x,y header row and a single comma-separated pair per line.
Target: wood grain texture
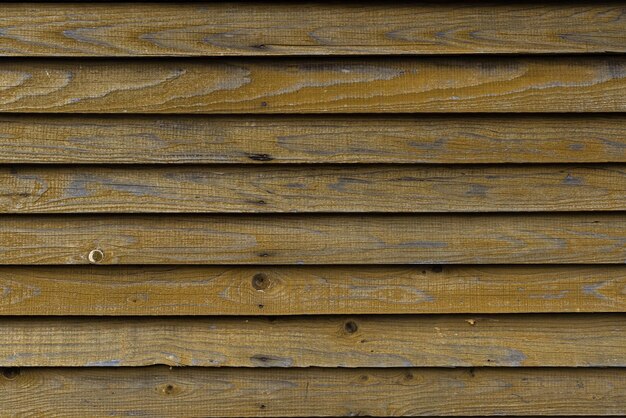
x,y
360,341
273,28
245,189
316,85
304,290
313,139
314,239
227,392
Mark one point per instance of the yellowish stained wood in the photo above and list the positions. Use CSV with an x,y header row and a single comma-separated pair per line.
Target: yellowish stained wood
x,y
307,85
175,189
273,28
305,139
359,341
218,238
316,139
314,239
278,290
228,392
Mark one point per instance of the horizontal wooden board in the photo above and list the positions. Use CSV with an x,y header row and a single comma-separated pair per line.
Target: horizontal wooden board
x,y
314,239
280,290
316,85
579,340
273,28
245,189
313,139
159,391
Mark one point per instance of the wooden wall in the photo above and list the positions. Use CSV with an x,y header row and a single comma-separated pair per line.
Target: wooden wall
x,y
321,209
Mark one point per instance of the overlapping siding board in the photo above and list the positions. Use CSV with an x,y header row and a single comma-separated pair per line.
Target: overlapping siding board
x,y
241,209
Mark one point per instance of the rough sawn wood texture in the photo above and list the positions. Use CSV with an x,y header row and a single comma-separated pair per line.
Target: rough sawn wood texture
x,y
308,209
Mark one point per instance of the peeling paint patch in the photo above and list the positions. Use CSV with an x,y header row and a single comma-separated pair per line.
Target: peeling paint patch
x,y
549,296
421,244
593,290
261,360
343,182
515,358
477,190
104,363
573,181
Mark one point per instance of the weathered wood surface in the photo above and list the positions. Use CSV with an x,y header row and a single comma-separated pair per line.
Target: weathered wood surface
x,y
245,189
204,29
278,290
360,341
379,305
313,139
227,392
314,239
308,85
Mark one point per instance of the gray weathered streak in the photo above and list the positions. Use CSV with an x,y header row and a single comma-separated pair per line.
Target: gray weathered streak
x,y
316,239
475,84
380,188
329,341
160,391
310,28
312,139
298,290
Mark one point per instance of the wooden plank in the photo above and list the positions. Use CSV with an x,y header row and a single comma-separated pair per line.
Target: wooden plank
x,y
315,85
580,340
227,392
245,189
280,290
313,139
272,28
314,239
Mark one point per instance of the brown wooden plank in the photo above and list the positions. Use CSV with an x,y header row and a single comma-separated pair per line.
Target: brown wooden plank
x,y
276,28
160,391
316,85
316,139
245,189
314,239
279,290
564,340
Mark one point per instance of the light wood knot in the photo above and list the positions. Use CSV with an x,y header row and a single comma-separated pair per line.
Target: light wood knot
x,y
95,256
168,389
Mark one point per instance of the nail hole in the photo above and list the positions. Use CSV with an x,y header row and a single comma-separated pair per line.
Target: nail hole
x,y
260,281
95,256
350,327
138,298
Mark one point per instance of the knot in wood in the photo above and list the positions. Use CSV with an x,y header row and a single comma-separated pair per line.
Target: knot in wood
x,y
95,256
